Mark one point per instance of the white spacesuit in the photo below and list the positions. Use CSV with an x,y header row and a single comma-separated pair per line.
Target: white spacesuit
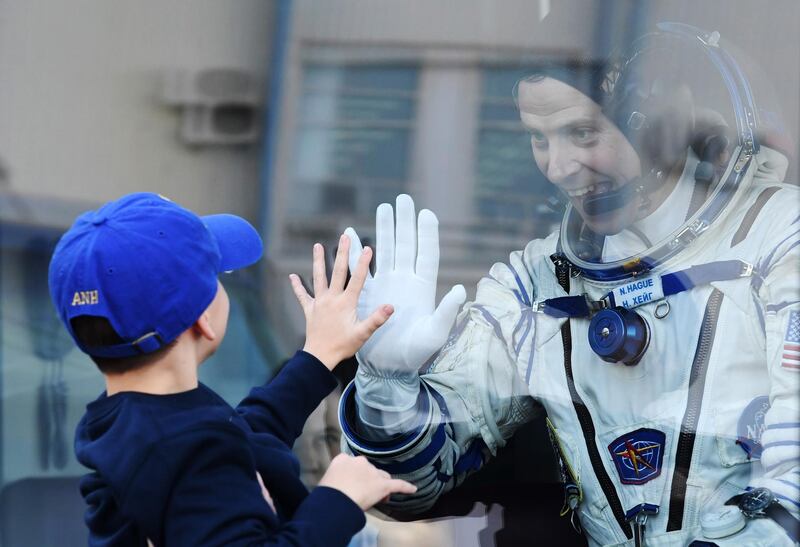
x,y
671,378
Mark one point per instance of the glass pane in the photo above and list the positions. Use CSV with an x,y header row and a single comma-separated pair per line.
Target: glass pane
x,y
500,111
377,153
510,188
46,382
353,143
325,107
389,78
247,358
499,82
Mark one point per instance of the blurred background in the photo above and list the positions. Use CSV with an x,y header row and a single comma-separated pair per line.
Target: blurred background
x,y
302,116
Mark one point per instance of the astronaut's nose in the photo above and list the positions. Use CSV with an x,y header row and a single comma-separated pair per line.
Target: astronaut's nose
x,y
561,166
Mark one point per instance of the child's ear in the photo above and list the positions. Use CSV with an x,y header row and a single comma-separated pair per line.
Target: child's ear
x,y
203,327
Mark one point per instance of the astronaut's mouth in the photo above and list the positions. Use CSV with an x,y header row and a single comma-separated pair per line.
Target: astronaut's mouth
x,y
604,198
598,188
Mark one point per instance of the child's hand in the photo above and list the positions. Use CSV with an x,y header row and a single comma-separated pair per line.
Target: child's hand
x,y
362,482
333,331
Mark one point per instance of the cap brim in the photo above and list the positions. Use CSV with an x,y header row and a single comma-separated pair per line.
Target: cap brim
x,y
239,243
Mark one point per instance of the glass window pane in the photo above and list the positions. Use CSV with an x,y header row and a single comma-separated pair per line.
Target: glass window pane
x,y
510,190
325,107
512,195
389,78
247,358
354,138
353,153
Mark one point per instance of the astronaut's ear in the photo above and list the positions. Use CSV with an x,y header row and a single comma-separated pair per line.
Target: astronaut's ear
x,y
668,123
706,119
711,137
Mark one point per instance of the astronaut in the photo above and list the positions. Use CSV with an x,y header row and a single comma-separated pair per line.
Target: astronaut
x,y
658,327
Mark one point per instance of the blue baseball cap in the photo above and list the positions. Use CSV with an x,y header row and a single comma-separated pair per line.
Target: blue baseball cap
x,y
148,266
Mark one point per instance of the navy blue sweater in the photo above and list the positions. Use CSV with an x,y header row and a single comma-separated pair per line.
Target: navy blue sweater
x,y
181,469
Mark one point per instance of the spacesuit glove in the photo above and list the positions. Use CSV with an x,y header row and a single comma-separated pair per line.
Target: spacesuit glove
x,y
406,268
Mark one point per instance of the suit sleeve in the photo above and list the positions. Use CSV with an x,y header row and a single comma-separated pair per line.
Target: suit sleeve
x,y
282,406
472,397
208,495
779,303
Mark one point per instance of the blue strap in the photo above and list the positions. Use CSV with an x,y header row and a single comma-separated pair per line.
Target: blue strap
x,y
567,306
148,343
672,283
704,274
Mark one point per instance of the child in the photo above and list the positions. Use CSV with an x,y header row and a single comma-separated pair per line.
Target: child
x,y
135,283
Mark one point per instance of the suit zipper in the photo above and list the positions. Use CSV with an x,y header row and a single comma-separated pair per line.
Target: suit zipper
x,y
697,381
584,418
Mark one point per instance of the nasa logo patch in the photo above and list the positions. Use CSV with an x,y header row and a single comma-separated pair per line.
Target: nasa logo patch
x,y
638,455
751,426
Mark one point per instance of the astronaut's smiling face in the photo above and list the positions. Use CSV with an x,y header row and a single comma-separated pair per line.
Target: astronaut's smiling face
x,y
578,149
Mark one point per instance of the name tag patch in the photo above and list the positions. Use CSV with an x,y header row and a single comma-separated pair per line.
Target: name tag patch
x,y
638,292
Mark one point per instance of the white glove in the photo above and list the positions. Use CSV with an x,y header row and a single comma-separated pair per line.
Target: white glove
x,y
389,361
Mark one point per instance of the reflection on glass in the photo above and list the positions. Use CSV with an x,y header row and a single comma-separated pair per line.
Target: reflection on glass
x,y
354,137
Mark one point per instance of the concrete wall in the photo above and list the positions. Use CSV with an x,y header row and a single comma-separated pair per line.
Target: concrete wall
x,y
80,100
466,24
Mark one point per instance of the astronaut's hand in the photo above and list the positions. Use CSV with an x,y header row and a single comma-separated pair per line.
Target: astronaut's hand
x,y
406,267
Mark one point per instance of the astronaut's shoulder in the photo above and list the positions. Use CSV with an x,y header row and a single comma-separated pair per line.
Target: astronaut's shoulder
x,y
518,275
771,205
767,216
537,248
781,187
523,260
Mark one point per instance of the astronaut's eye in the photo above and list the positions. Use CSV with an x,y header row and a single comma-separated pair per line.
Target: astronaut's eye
x,y
584,135
538,139
332,435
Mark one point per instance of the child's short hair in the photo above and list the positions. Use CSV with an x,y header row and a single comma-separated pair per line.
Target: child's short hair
x,y
145,267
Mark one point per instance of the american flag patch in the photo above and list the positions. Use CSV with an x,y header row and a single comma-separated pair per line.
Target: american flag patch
x,y
791,344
